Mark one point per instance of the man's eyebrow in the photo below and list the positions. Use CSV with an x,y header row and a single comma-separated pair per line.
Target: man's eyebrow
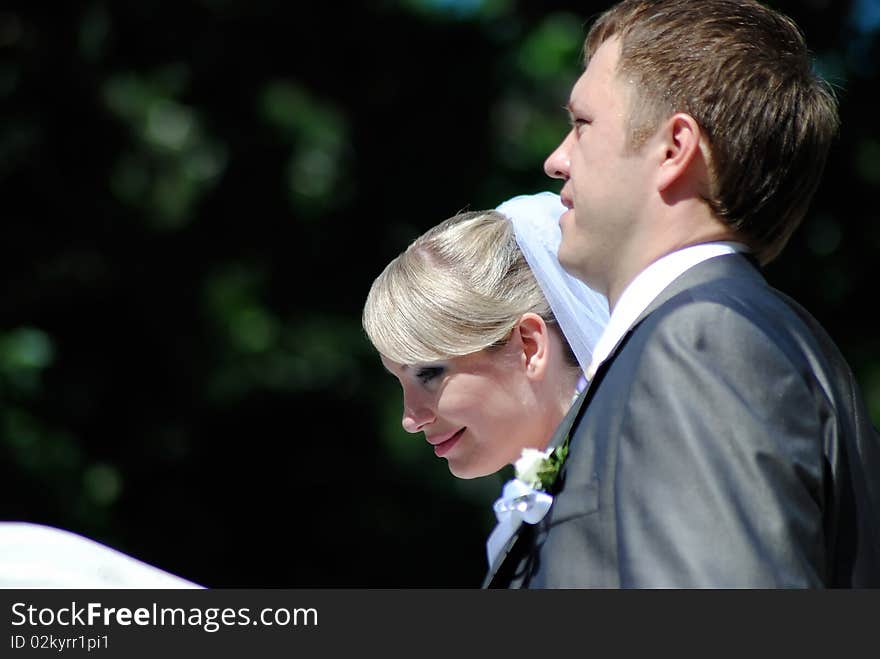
x,y
571,112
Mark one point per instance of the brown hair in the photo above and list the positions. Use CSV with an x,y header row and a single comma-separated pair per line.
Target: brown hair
x,y
743,72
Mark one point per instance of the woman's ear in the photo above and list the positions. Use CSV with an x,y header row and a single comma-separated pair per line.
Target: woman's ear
x,y
534,335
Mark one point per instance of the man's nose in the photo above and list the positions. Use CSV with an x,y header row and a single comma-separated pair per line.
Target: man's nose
x,y
558,162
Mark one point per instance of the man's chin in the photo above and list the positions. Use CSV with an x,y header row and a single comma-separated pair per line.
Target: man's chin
x,y
569,262
576,267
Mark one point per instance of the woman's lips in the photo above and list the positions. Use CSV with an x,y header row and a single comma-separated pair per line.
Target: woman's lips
x,y
445,446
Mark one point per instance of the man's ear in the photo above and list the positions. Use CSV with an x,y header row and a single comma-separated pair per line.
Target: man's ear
x,y
534,335
682,157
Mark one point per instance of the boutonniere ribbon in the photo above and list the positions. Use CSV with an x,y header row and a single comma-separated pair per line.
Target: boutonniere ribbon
x,y
524,498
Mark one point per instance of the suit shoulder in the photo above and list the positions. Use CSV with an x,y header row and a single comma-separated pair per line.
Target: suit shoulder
x,y
727,327
712,312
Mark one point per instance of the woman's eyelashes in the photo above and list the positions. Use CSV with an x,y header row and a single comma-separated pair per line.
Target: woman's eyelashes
x,y
427,374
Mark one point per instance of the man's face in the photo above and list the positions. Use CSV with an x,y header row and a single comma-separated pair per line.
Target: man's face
x,y
605,179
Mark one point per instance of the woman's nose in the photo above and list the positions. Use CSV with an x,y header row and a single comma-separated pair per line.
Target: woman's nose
x,y
417,415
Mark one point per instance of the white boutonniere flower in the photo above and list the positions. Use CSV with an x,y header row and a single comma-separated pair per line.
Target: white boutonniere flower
x,y
529,464
539,469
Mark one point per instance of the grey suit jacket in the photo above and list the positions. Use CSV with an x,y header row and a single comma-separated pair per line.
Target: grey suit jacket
x,y
723,443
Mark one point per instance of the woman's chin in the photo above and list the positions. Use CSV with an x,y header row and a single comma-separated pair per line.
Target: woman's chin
x,y
469,470
463,473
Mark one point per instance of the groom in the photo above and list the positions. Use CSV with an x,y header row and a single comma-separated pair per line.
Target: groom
x,y
722,441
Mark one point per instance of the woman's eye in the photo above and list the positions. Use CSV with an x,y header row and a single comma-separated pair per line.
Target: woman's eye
x,y
428,373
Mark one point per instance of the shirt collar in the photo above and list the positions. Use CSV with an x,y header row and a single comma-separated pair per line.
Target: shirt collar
x,y
646,286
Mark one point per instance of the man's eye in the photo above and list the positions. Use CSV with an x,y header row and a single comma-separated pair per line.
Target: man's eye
x,y
428,373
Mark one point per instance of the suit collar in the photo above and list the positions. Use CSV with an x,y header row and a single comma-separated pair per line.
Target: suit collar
x,y
738,265
723,267
646,286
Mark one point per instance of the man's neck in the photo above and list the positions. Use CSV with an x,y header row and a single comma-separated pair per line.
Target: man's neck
x,y
677,229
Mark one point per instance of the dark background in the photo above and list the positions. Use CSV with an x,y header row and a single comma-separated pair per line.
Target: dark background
x,y
195,199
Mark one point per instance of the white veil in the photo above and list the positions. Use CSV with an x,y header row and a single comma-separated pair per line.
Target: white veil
x,y
581,312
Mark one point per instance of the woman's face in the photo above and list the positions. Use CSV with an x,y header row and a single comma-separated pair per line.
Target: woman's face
x,y
480,410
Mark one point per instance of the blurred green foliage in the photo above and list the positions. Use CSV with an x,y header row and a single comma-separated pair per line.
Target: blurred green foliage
x,y
196,199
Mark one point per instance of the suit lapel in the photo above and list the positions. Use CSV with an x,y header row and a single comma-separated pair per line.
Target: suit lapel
x,y
568,420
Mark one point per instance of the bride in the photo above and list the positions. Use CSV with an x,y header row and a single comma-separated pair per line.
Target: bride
x,y
486,333
490,340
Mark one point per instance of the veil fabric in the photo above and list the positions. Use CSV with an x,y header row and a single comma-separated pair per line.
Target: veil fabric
x,y
581,312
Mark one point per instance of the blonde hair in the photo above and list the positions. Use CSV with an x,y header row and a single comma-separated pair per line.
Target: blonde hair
x,y
457,289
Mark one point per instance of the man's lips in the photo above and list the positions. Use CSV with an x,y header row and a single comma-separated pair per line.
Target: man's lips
x,y
569,209
443,443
